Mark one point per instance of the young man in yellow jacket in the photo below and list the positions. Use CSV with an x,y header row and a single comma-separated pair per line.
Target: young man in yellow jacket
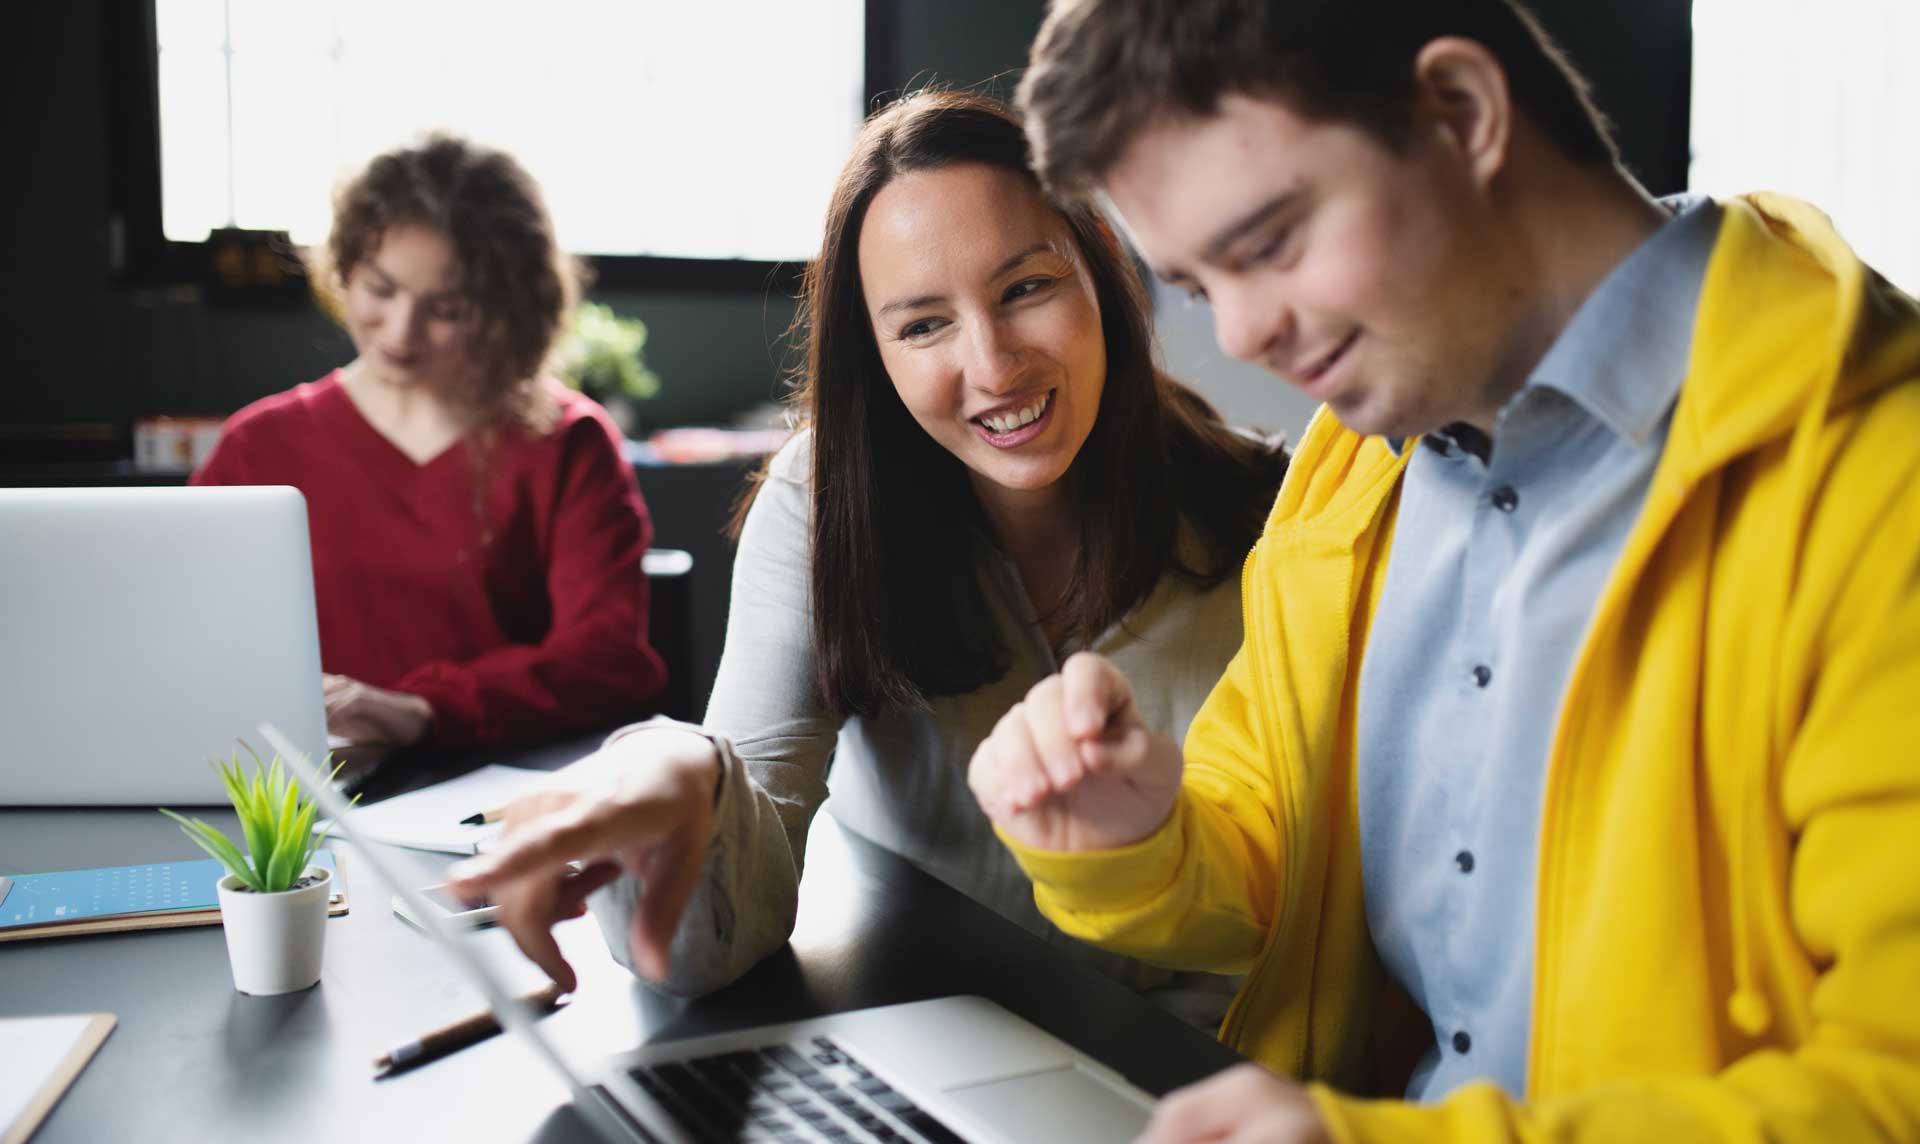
x,y
1581,684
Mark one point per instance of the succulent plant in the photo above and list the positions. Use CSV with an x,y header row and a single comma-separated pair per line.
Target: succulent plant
x,y
275,820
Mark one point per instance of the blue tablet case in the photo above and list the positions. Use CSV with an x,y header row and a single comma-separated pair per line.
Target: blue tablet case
x,y
165,892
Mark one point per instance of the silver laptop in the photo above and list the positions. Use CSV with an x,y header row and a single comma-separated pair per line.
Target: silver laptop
x,y
950,1069
143,632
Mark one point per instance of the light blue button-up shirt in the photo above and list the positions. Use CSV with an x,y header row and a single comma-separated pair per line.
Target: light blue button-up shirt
x,y
1495,571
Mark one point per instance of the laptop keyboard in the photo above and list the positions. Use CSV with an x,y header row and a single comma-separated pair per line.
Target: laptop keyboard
x,y
807,1091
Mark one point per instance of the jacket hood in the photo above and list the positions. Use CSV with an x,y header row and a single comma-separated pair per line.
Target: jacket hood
x,y
1792,326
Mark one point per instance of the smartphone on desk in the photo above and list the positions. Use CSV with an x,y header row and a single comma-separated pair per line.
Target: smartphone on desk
x,y
449,908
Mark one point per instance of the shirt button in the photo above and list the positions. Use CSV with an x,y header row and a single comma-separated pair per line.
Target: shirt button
x,y
1464,860
1505,499
1482,675
1462,1042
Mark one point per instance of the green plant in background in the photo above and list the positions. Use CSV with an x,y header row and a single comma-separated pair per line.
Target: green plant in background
x,y
275,820
603,355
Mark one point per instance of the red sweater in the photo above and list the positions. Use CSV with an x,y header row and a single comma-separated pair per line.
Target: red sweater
x,y
524,626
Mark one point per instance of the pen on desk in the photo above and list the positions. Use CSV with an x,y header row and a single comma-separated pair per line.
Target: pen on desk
x,y
432,1046
484,817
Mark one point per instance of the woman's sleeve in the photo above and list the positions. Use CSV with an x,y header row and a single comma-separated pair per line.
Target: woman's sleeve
x,y
594,665
776,736
226,465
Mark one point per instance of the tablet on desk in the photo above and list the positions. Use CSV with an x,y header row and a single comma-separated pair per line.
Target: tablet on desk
x,y
157,895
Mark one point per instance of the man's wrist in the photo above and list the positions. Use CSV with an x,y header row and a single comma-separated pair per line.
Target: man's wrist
x,y
1108,879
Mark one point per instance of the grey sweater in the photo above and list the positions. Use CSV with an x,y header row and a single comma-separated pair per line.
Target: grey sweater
x,y
900,778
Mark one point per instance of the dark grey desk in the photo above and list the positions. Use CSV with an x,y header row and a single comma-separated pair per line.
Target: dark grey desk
x,y
192,1060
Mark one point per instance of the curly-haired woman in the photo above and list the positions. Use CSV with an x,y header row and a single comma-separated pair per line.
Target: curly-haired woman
x,y
477,534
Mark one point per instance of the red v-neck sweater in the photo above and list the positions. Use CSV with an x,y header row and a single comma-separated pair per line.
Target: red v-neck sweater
x,y
522,627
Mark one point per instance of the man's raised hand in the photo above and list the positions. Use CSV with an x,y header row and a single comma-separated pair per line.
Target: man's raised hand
x,y
1073,767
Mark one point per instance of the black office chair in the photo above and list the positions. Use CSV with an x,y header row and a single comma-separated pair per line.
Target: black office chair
x,y
669,626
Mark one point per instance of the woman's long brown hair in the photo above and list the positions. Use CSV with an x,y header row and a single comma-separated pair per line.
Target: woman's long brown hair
x,y
899,613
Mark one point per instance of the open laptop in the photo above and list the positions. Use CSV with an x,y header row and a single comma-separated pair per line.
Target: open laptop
x,y
142,632
940,1071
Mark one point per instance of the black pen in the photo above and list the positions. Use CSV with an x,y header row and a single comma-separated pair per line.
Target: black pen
x,y
432,1046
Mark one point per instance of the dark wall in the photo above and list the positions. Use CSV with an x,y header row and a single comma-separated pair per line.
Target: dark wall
x,y
74,348
1638,55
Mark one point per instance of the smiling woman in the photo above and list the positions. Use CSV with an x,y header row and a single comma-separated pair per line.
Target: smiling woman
x,y
477,533
991,476
951,299
999,357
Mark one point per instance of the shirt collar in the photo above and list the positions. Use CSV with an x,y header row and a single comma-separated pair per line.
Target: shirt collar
x,y
1623,356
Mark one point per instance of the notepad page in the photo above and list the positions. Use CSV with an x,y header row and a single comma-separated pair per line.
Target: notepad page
x,y
32,1051
429,818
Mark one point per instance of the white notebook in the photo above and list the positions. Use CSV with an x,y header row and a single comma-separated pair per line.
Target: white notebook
x,y
429,818
39,1057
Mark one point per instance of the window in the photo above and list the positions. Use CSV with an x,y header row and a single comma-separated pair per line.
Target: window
x,y
709,130
1818,99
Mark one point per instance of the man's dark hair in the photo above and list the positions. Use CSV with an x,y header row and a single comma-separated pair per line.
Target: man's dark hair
x,y
1102,70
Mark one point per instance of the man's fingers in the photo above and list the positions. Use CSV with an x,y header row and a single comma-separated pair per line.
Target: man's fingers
x,y
1046,725
1021,779
1094,694
986,779
1199,1111
1116,753
1243,1099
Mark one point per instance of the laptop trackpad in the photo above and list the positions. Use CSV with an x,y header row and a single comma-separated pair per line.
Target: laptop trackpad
x,y
1060,1106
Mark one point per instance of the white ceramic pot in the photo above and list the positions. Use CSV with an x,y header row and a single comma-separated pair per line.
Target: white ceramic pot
x,y
274,941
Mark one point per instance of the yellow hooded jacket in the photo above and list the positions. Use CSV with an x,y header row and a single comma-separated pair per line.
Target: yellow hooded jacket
x,y
1728,914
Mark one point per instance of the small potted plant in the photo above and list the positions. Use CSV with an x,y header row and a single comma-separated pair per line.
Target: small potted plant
x,y
274,907
603,358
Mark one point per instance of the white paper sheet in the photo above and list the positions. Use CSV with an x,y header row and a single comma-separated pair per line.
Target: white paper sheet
x,y
32,1050
429,818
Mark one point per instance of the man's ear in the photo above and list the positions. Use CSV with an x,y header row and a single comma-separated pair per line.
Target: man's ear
x,y
1460,91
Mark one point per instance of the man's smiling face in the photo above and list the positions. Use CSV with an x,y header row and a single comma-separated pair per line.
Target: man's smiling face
x,y
1368,277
